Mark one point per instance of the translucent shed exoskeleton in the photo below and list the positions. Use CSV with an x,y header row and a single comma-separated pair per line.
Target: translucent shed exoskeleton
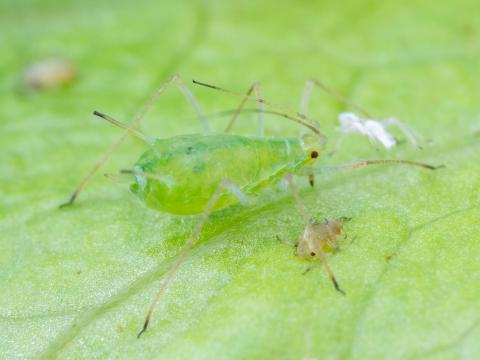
x,y
200,173
374,129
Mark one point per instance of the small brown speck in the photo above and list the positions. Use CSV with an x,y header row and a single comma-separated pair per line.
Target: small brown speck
x,y
49,73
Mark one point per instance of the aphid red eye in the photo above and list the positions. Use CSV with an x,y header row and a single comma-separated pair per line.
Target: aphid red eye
x,y
312,254
314,154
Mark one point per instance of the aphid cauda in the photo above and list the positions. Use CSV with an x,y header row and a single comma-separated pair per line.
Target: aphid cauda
x,y
200,173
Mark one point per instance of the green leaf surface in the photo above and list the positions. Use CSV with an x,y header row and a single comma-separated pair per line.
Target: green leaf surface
x,y
76,283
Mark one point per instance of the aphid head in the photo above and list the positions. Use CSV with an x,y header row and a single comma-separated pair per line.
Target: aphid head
x,y
313,145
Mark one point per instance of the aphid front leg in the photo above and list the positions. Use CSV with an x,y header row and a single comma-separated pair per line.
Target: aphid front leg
x,y
256,89
224,185
173,80
314,238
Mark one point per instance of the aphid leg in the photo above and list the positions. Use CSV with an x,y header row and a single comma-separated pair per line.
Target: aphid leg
x,y
409,133
307,270
298,201
329,271
278,110
305,100
173,80
308,224
338,144
224,185
134,132
193,102
256,89
289,244
351,242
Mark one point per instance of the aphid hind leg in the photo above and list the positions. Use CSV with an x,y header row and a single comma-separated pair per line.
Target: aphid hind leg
x,y
255,88
224,185
310,232
173,80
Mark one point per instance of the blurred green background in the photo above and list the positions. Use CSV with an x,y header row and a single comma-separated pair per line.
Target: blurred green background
x,y
76,283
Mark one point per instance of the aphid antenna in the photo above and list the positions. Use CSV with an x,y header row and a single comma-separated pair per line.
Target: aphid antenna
x,y
256,90
364,163
344,219
140,173
115,177
340,97
297,117
123,126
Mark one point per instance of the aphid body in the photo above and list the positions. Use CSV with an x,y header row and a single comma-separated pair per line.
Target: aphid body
x,y
184,171
318,238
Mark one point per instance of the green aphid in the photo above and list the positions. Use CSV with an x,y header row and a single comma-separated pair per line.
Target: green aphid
x,y
189,168
201,173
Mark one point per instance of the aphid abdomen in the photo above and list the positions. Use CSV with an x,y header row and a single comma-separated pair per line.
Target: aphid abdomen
x,y
189,168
